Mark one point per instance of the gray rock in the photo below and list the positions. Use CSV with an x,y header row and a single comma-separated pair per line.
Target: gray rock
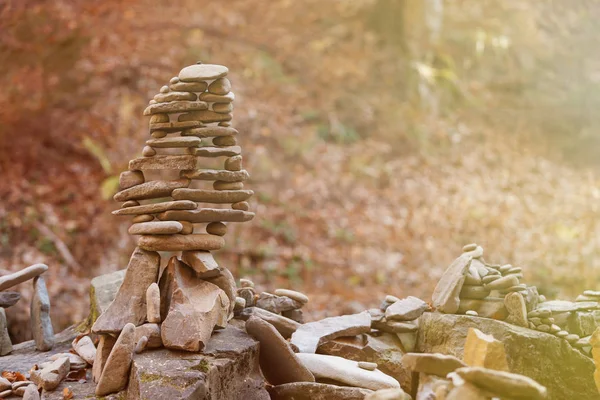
x,y
129,305
31,393
294,315
407,309
41,325
51,376
308,336
445,297
5,343
75,362
116,370
284,325
103,290
316,391
10,280
549,360
278,362
561,306
432,363
503,384
581,323
8,299
85,348
517,309
276,304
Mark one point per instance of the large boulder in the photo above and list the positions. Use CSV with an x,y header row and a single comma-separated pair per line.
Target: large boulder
x,y
549,360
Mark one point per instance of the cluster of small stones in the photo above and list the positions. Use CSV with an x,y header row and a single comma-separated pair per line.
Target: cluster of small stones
x,y
41,325
194,295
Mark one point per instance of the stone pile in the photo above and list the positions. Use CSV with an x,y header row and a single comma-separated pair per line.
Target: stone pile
x,y
190,120
41,325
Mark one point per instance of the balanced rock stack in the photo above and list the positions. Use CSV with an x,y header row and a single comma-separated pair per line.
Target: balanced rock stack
x,y
193,295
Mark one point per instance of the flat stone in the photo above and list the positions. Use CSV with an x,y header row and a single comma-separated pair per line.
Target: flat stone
x,y
285,326
517,310
129,179
115,373
549,360
49,378
197,87
129,305
10,280
472,313
504,384
216,175
175,96
175,142
217,151
483,350
155,228
103,290
316,391
215,98
503,283
204,116
445,297
216,228
157,207
277,304
309,336
181,242
220,86
490,307
164,117
346,371
176,107
41,324
233,163
278,362
207,215
202,262
490,278
179,162
153,303
130,203
466,391
292,294
151,190
196,307
85,348
105,345
432,363
75,361
220,185
222,108
561,306
407,309
394,326
5,343
202,72
174,126
8,299
473,292
210,131
212,196
592,293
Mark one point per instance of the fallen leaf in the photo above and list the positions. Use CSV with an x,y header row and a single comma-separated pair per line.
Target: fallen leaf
x,y
67,394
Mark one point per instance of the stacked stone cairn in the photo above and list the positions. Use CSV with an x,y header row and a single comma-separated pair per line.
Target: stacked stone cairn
x,y
190,121
41,325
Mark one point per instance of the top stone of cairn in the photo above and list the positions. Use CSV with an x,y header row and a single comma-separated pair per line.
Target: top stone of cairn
x,y
202,72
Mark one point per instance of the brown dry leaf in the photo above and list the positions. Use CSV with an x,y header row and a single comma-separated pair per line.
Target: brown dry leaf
x,y
67,394
9,375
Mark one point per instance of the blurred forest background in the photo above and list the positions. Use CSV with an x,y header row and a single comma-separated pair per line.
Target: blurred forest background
x,y
381,136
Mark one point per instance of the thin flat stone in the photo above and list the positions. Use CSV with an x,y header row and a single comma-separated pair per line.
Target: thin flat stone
x,y
10,280
157,208
75,360
207,215
204,116
317,391
41,325
175,96
8,299
503,283
5,343
473,291
202,262
175,142
309,336
215,98
129,179
217,151
181,162
176,107
210,131
153,303
285,326
278,362
202,72
503,384
407,309
220,185
116,370
277,304
174,126
151,190
50,377
196,87
394,326
155,228
181,242
445,297
292,294
212,196
216,175
346,371
129,305
432,363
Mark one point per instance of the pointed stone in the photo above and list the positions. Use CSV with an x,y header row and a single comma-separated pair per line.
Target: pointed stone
x,y
196,308
105,345
41,325
153,303
517,310
10,280
129,305
166,286
483,350
407,309
445,296
115,374
202,262
5,343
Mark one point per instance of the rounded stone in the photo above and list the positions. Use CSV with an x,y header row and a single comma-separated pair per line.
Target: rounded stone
x,y
471,313
174,79
246,283
571,338
148,151
216,228
240,304
152,102
222,108
369,366
164,89
391,299
225,141
158,134
142,218
233,163
469,247
202,72
159,118
242,205
292,294
220,86
225,123
188,228
130,203
222,185
562,334
543,328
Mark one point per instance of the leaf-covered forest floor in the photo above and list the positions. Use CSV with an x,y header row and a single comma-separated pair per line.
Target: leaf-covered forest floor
x,y
359,193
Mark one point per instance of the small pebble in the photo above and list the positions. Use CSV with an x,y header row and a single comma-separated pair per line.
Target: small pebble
x,y
158,134
242,205
543,328
174,79
472,313
391,299
240,304
141,345
246,283
130,203
142,218
548,321
469,247
164,89
233,163
562,334
148,151
369,366
216,228
225,123
571,338
152,102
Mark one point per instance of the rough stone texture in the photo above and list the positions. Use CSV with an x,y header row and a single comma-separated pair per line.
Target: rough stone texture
x,y
483,350
105,345
212,196
5,343
445,297
432,363
103,290
183,162
41,325
129,179
49,377
205,116
517,309
227,369
178,242
210,131
207,215
202,262
196,307
175,142
549,360
8,299
278,362
346,371
155,228
116,370
216,174
152,332
31,393
10,280
129,305
285,326
316,391
504,384
407,309
218,151
277,304
151,190
308,336
215,98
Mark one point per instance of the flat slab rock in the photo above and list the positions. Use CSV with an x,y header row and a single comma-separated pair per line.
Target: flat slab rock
x,y
549,360
316,391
